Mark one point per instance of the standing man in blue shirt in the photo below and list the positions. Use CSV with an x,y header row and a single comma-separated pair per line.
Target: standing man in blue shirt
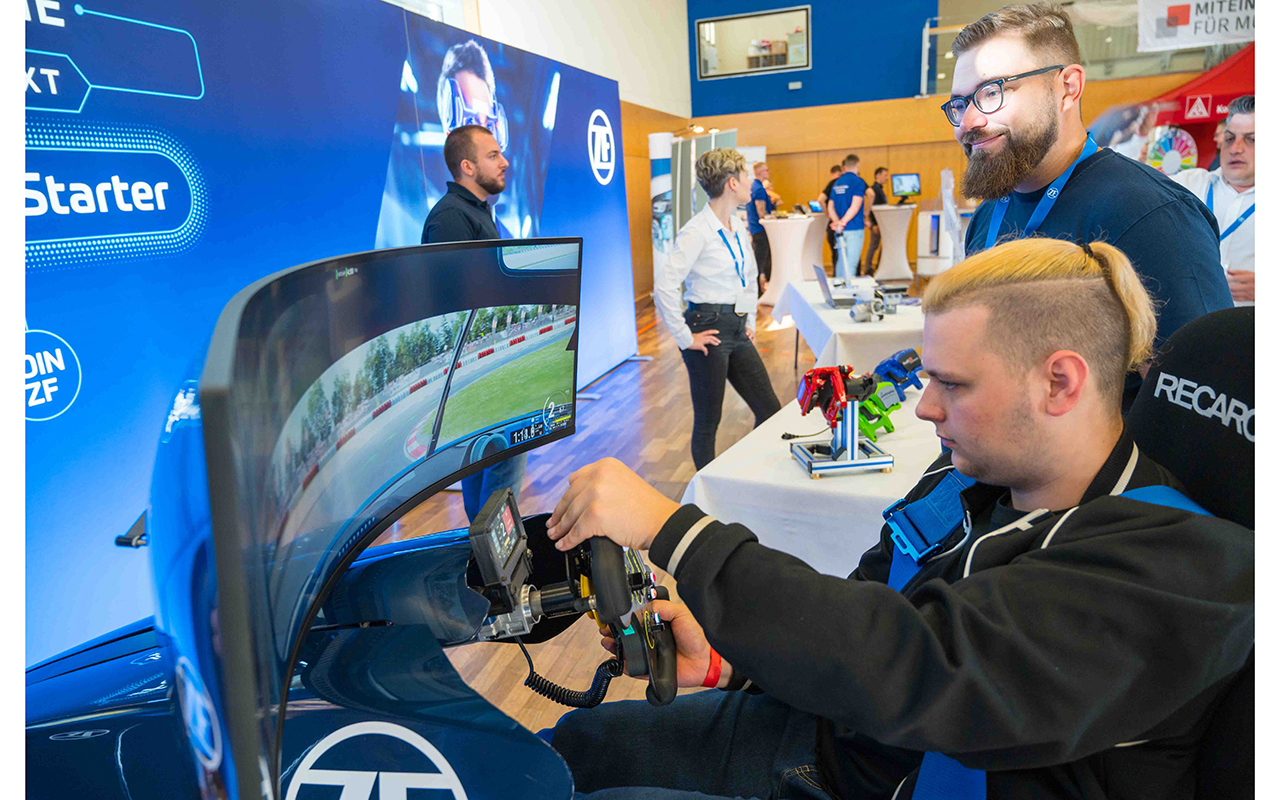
x,y
848,196
1015,104
759,207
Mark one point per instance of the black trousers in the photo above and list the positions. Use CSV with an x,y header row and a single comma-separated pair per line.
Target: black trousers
x,y
831,242
873,258
764,256
735,359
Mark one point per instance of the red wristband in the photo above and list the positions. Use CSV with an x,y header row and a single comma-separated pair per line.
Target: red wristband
x,y
713,671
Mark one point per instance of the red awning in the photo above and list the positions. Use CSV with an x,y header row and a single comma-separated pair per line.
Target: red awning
x,y
1205,98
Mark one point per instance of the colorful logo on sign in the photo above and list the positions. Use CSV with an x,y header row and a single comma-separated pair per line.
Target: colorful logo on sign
x,y
1198,105
1175,17
600,147
51,376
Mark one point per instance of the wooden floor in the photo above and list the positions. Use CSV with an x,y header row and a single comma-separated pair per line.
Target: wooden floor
x,y
644,418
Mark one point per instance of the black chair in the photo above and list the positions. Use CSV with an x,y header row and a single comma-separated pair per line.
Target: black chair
x,y
1194,415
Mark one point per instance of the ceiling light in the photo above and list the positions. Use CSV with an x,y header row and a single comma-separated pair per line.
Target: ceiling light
x,y
948,54
942,75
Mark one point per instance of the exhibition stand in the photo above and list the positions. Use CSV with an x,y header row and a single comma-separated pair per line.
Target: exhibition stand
x,y
894,222
836,339
796,245
827,523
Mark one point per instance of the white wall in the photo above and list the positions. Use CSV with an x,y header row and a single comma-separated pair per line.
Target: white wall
x,y
642,44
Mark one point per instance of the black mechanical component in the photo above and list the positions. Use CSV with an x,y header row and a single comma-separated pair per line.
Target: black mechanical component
x,y
610,583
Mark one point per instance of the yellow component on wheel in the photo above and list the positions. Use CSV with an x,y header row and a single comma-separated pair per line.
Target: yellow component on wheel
x,y
584,589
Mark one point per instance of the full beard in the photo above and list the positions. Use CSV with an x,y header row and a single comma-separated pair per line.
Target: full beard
x,y
993,174
491,184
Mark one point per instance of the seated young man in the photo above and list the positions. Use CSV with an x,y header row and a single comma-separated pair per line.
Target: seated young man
x,y
1068,641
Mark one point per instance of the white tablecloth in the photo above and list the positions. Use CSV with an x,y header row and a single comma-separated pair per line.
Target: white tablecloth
x,y
795,244
830,522
836,339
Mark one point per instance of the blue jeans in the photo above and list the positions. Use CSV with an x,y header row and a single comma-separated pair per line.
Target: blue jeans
x,y
704,745
477,488
849,243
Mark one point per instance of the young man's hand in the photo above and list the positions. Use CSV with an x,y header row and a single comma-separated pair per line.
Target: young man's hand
x,y
693,651
608,499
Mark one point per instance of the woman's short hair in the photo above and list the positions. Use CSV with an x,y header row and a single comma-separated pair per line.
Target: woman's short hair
x,y
1046,295
714,168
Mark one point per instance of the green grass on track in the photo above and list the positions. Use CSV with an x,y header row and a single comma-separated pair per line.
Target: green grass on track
x,y
494,398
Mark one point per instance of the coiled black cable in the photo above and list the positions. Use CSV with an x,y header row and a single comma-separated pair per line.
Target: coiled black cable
x,y
606,672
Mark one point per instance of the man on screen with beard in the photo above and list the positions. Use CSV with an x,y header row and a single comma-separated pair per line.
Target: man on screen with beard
x,y
1015,104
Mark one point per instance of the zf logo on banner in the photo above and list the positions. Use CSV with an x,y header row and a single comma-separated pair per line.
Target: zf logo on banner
x,y
600,147
359,784
51,379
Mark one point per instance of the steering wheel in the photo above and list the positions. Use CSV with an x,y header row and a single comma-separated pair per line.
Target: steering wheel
x,y
622,585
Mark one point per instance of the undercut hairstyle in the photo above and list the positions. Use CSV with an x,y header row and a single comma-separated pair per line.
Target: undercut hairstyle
x,y
1045,27
714,168
850,161
460,145
1241,105
1046,295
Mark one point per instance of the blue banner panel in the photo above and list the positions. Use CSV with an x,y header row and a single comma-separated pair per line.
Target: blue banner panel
x,y
177,152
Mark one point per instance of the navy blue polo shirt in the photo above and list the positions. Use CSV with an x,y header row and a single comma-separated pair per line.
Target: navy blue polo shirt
x,y
459,216
846,188
753,217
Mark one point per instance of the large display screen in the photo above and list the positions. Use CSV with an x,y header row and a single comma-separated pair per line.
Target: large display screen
x,y
177,152
356,384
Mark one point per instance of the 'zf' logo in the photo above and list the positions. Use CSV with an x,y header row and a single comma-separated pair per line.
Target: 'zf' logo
x,y
75,736
600,147
51,378
358,784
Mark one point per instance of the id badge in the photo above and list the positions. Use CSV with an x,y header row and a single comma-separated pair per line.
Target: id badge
x,y
746,302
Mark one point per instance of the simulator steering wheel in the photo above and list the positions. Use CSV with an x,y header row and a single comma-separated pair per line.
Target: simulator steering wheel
x,y
611,584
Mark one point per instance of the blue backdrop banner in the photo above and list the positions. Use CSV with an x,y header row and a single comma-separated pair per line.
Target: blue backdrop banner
x,y
179,151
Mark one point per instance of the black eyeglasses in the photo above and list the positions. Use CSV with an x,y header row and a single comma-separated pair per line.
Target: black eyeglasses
x,y
989,97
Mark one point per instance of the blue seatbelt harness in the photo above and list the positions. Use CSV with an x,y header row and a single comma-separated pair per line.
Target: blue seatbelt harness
x,y
918,530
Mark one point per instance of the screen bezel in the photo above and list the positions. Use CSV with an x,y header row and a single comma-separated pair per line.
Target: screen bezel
x,y
916,193
235,618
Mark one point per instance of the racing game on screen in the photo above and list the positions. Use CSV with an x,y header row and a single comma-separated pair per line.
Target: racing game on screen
x,y
361,381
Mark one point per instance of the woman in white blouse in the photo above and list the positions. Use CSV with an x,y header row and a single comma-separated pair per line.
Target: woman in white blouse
x,y
716,333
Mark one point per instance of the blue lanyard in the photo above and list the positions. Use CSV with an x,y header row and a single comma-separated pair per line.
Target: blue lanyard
x,y
1046,202
736,266
1232,228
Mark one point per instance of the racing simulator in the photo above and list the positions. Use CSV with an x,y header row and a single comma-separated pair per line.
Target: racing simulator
x,y
288,656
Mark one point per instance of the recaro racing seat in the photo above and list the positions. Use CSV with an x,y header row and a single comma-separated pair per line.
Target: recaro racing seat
x,y
1194,414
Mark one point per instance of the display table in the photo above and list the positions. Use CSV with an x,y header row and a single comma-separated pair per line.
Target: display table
x,y
796,245
830,522
836,339
894,222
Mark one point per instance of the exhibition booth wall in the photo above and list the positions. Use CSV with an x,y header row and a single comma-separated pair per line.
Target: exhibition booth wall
x,y
176,153
854,57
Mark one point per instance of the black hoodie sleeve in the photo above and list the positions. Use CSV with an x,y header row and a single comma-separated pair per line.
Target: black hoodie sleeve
x,y
1133,611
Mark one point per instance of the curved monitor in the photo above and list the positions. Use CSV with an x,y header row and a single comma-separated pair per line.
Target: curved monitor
x,y
338,395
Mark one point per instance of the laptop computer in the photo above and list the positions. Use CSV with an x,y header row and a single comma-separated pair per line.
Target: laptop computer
x,y
815,207
835,301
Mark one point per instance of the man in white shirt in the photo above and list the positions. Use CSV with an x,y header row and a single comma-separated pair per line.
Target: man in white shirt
x,y
1228,192
713,258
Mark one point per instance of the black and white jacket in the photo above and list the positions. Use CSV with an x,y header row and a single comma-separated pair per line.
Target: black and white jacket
x,y
1074,653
